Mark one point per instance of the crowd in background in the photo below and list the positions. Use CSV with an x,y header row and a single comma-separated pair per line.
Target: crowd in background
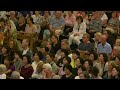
x,y
59,45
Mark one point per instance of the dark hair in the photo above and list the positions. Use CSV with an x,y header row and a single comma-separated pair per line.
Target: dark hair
x,y
68,59
95,55
8,59
105,57
65,51
94,70
48,12
19,53
118,69
55,36
86,74
83,68
76,52
51,55
31,19
68,66
2,20
40,55
81,60
5,46
89,61
28,58
79,17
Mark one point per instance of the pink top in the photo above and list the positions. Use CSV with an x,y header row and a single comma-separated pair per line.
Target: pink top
x,y
61,72
70,20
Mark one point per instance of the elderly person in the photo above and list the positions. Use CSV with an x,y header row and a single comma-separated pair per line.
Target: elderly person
x,y
2,71
16,75
104,47
47,71
57,23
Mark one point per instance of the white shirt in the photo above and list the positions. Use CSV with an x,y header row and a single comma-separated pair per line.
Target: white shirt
x,y
21,77
77,77
3,76
25,51
104,17
34,65
81,28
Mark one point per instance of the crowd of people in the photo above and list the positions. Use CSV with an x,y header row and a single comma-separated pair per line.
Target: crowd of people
x,y
59,45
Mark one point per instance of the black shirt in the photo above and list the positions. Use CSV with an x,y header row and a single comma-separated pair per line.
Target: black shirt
x,y
72,76
21,28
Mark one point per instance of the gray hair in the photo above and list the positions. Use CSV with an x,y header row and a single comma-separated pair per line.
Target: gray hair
x,y
15,75
56,77
48,66
2,68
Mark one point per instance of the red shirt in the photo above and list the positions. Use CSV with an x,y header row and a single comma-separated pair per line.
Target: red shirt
x,y
26,73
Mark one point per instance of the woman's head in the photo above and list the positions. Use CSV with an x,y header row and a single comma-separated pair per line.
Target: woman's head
x,y
88,64
117,60
15,75
116,71
48,44
64,52
39,67
117,42
2,68
64,44
97,36
5,49
38,56
81,69
67,69
49,58
84,75
79,19
94,71
26,59
66,60
17,55
47,68
30,20
111,64
103,57
21,20
7,61
75,54
114,14
93,56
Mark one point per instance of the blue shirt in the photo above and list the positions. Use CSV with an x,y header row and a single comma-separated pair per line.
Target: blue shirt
x,y
57,22
104,49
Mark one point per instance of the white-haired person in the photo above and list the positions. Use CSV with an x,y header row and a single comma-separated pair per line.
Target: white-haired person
x,y
16,75
2,71
78,30
47,71
37,74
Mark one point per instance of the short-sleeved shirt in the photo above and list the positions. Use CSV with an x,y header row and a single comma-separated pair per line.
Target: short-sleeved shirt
x,y
104,49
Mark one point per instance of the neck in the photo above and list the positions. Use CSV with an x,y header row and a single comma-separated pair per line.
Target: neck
x,y
30,24
25,48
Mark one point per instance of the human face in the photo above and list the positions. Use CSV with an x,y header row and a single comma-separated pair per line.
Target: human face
x,y
74,56
28,21
82,76
21,20
36,57
4,50
114,72
67,72
48,58
117,43
24,43
53,39
78,63
109,66
65,61
11,44
63,45
79,71
48,45
101,58
117,61
46,13
69,13
79,21
58,14
86,64
16,56
25,61
6,62
85,39
44,69
62,54
114,14
91,57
